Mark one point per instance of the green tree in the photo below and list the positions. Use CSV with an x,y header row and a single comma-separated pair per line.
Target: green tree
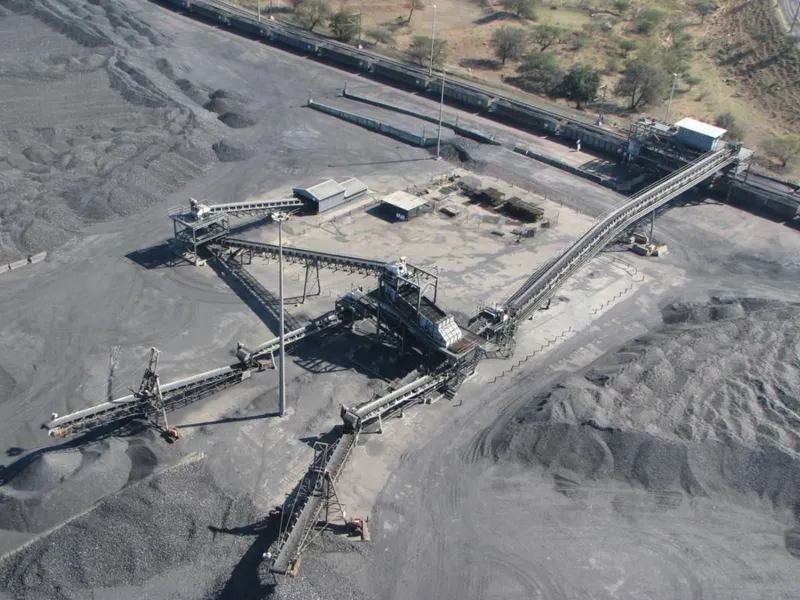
x,y
786,148
642,83
313,12
704,8
295,4
581,84
412,6
540,72
647,20
344,25
524,9
545,36
420,50
509,43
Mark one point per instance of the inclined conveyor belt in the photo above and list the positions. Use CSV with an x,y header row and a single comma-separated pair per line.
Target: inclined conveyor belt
x,y
542,284
306,510
323,259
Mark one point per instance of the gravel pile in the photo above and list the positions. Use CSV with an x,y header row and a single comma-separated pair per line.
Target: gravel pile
x,y
460,152
707,405
165,531
116,127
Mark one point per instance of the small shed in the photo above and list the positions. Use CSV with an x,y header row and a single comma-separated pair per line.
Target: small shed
x,y
699,135
402,206
324,196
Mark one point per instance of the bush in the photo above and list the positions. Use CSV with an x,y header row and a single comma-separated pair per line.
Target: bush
x,y
524,9
627,46
612,66
622,5
344,25
381,36
786,148
728,121
647,21
692,81
420,50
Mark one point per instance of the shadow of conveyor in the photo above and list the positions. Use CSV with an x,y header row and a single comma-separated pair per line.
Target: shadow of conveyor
x,y
125,428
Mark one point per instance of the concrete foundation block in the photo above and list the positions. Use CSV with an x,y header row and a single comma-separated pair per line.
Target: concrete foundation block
x,y
37,258
17,264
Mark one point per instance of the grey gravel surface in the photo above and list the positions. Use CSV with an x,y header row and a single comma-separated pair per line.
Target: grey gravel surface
x,y
593,496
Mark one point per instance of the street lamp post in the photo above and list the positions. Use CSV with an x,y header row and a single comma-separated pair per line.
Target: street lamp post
x,y
279,218
671,93
259,11
433,40
441,113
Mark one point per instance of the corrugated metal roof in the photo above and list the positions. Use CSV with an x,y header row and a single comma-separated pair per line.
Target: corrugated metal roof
x,y
353,187
321,191
403,200
700,127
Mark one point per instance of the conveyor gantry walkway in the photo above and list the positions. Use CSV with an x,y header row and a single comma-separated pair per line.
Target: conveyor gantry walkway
x,y
301,513
545,281
175,394
310,257
249,206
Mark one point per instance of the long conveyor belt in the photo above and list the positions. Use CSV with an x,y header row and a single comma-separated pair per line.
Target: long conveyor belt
x,y
544,283
176,393
323,259
305,510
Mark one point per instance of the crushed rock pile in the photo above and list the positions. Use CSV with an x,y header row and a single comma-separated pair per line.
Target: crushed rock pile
x,y
118,128
708,405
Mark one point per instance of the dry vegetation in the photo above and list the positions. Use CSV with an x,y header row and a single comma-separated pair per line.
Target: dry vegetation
x,y
732,56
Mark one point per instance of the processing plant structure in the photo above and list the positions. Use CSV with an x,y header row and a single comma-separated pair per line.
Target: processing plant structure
x,y
403,306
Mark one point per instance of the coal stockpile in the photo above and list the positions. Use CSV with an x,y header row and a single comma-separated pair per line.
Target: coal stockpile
x,y
175,531
106,137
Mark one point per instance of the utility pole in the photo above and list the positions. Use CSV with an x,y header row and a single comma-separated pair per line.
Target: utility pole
x,y
259,11
671,93
433,40
441,113
279,218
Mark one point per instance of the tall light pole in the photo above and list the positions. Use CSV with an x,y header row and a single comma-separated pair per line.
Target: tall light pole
x,y
441,112
279,218
671,93
433,40
259,11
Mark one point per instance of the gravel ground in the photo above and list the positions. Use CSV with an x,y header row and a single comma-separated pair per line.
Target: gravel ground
x,y
663,467
591,486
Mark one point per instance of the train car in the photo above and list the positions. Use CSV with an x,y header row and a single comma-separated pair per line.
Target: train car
x,y
460,94
287,37
399,74
209,11
344,56
248,26
516,115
